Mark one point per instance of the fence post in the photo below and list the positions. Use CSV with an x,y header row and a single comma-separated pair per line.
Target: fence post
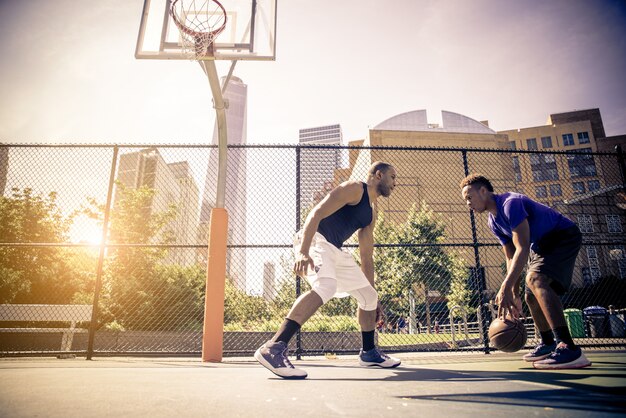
x,y
103,244
622,165
298,222
478,270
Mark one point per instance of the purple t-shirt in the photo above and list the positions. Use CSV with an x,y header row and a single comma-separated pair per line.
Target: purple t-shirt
x,y
513,208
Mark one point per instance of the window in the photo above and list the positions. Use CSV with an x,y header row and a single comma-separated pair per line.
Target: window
x,y
512,145
584,223
590,170
586,277
515,162
555,190
568,140
540,191
595,274
591,275
613,224
593,185
531,143
586,153
546,141
549,158
583,138
537,175
592,252
518,177
535,159
579,187
552,174
616,253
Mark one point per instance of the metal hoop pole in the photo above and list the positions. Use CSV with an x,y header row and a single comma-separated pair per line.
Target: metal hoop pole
x,y
220,112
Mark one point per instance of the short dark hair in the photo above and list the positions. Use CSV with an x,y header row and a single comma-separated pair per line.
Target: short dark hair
x,y
379,165
478,179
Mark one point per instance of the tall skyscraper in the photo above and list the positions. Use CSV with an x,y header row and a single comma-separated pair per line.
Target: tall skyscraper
x,y
188,210
174,185
269,281
236,124
317,166
4,168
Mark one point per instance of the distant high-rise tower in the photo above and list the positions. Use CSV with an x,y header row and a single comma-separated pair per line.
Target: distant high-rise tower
x,y
4,168
235,201
317,166
269,281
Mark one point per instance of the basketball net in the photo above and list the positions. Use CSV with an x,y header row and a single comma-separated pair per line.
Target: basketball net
x,y
199,23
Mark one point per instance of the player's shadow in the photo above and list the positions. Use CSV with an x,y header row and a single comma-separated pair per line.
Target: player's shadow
x,y
570,390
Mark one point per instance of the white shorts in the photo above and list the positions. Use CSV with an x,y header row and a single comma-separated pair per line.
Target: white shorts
x,y
331,262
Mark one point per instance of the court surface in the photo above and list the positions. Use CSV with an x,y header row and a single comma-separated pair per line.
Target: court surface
x,y
433,384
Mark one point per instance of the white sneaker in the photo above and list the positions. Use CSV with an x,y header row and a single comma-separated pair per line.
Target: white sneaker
x,y
273,356
375,357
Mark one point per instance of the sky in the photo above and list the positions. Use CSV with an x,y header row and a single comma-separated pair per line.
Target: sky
x,y
68,72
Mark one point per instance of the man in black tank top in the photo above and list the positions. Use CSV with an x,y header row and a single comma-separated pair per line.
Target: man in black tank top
x,y
348,208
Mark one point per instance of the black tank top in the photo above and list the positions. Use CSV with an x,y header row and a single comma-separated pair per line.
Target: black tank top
x,y
340,226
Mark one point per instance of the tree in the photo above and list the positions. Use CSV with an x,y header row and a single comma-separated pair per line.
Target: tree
x,y
415,263
34,274
133,290
241,307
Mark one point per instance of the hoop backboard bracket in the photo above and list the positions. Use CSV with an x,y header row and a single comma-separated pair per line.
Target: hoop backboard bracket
x,y
250,32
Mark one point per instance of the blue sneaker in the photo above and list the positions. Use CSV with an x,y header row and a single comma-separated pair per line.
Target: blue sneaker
x,y
273,356
540,352
564,358
375,357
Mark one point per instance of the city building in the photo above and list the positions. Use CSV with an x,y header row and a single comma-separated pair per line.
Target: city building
x,y
235,201
4,168
433,176
577,183
602,223
548,178
174,186
269,281
317,166
188,211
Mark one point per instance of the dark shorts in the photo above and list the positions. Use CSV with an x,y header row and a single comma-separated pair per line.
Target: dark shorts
x,y
555,257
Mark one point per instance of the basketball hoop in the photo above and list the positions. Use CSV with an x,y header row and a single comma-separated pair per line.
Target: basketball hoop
x,y
199,22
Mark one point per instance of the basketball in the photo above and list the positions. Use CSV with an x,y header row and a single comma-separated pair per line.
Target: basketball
x,y
508,335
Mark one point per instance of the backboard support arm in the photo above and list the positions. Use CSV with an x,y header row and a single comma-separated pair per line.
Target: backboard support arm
x,y
222,139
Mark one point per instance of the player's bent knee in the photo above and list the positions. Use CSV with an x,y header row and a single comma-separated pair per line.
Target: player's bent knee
x,y
367,298
325,288
536,280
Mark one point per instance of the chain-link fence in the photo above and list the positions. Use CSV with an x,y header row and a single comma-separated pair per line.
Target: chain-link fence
x,y
103,248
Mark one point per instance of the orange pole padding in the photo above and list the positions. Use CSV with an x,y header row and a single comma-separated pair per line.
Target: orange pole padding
x,y
213,329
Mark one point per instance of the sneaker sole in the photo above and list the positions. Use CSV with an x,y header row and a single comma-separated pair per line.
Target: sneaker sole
x,y
259,357
381,365
576,364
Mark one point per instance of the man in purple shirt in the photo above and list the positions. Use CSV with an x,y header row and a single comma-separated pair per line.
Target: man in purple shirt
x,y
547,243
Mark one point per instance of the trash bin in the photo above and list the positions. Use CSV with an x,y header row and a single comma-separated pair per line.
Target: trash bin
x,y
616,321
597,319
575,323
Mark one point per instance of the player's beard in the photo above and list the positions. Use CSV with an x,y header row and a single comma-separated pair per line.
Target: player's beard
x,y
383,190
